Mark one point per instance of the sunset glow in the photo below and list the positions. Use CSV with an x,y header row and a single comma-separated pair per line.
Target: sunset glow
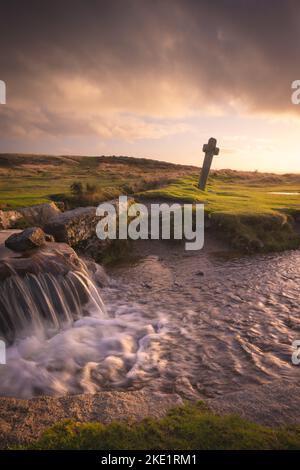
x,y
153,82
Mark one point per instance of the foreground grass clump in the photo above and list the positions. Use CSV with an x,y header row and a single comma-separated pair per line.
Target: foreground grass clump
x,y
184,428
250,212
264,232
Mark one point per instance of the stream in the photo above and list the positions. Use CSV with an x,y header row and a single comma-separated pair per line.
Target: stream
x,y
229,321
200,324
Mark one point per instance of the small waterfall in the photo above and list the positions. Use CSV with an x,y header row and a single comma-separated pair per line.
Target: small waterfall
x,y
59,337
45,300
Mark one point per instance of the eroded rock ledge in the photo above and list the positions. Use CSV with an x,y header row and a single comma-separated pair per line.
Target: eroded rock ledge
x,y
22,421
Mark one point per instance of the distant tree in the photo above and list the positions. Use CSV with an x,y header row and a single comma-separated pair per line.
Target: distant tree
x,y
76,188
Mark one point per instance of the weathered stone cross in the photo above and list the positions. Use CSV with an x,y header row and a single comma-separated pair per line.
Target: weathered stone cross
x,y
210,150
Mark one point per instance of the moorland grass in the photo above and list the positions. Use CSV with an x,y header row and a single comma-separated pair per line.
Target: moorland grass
x,y
239,205
245,212
26,180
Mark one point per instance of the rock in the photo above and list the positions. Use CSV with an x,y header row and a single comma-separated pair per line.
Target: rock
x,y
58,260
256,245
23,421
39,214
79,225
94,248
9,219
30,238
200,273
32,281
60,205
73,226
49,238
97,272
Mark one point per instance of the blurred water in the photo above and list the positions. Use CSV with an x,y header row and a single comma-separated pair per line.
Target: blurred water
x,y
199,324
230,320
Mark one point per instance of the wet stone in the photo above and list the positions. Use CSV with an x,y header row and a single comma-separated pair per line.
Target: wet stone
x,y
29,239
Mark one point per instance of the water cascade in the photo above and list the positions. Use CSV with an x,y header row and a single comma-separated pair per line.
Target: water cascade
x,y
46,290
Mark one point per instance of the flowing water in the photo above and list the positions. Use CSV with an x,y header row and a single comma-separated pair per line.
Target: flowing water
x,y
45,301
197,323
229,321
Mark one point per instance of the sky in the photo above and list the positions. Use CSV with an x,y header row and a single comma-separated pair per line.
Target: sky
x,y
153,78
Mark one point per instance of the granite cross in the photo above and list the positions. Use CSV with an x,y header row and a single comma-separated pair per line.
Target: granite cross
x,y
210,150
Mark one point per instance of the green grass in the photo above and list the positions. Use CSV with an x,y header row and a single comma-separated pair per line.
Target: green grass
x,y
238,204
243,210
32,179
184,428
232,197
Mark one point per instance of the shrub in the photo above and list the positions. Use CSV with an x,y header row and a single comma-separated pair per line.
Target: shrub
x,y
76,188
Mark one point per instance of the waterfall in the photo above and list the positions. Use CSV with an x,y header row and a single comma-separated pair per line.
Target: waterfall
x,y
59,338
45,300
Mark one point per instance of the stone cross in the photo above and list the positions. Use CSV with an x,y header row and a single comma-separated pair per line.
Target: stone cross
x,y
210,150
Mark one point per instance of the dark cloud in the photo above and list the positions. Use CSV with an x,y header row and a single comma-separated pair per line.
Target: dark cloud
x,y
68,64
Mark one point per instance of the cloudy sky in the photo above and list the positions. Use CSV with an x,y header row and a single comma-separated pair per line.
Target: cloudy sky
x,y
152,78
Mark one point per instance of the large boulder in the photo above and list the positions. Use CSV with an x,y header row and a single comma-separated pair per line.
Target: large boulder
x,y
73,226
9,219
79,225
55,258
30,238
39,214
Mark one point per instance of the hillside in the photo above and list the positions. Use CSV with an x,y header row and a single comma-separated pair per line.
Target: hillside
x,y
32,179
